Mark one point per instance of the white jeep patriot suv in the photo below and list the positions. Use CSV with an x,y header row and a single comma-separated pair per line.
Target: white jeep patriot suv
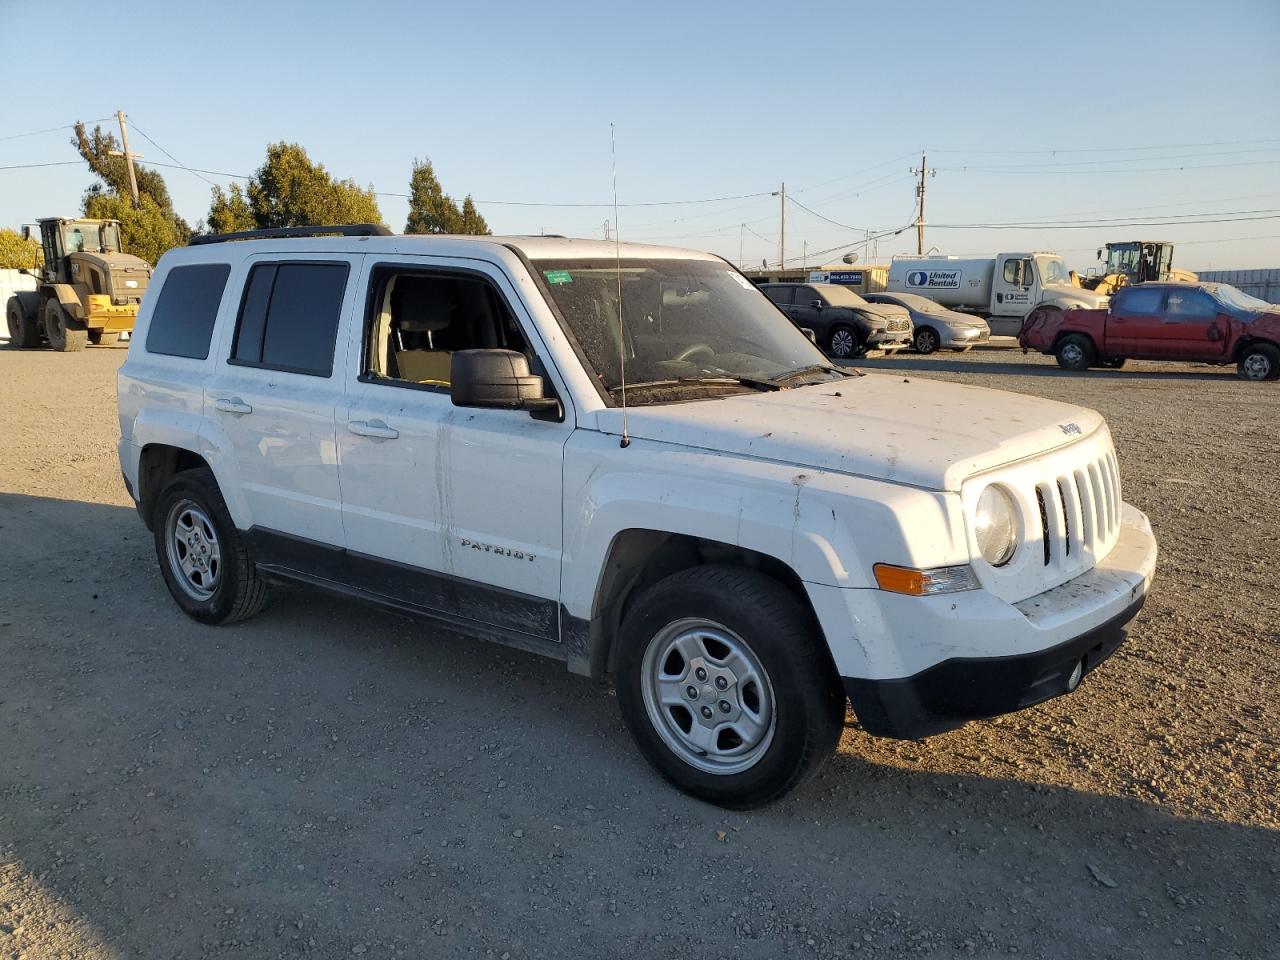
x,y
626,458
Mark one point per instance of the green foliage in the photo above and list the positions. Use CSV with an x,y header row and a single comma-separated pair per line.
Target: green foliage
x,y
431,210
291,191
146,232
16,253
230,212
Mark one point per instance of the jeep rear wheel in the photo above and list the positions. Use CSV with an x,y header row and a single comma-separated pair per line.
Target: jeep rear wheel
x,y
203,558
65,334
726,686
1075,352
1260,361
23,332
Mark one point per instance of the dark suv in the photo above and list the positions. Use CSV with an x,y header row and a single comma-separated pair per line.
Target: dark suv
x,y
845,325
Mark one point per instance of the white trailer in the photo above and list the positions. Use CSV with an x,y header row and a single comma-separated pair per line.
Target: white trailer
x,y
1002,289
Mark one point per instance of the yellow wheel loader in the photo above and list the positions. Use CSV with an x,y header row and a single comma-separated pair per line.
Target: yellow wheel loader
x,y
87,291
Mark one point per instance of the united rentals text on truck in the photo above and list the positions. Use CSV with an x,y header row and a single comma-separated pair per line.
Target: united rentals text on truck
x,y
1002,289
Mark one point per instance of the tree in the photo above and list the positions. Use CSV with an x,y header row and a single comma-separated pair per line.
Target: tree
x,y
472,222
230,212
16,253
430,209
146,232
291,191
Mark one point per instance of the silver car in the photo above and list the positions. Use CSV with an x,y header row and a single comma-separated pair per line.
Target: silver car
x,y
936,327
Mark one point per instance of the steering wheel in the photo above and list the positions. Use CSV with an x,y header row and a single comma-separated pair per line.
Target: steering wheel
x,y
693,350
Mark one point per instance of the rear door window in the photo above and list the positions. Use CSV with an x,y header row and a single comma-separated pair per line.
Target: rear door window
x,y
1191,306
185,310
289,317
1139,302
779,295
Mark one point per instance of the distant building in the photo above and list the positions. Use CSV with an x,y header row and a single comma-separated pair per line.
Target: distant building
x,y
864,278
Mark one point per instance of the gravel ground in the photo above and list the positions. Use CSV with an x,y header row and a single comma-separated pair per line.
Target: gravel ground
x,y
332,781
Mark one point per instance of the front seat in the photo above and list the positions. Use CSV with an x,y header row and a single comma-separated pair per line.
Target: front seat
x,y
421,305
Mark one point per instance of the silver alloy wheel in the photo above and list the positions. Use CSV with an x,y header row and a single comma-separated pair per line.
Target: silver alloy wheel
x,y
1257,366
926,341
1073,353
843,343
708,696
195,558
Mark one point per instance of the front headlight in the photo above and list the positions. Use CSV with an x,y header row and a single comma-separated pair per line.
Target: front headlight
x,y
996,526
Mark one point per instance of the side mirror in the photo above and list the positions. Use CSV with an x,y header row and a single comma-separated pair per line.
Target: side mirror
x,y
1098,255
498,380
816,304
26,231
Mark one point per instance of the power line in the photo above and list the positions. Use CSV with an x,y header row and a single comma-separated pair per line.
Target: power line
x,y
1094,163
65,126
837,223
1059,171
1158,146
32,166
1096,225
146,137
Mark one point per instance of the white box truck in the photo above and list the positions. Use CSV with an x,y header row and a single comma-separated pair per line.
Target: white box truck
x,y
1002,289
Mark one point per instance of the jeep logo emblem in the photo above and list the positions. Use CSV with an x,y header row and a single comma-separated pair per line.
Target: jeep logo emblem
x,y
1070,429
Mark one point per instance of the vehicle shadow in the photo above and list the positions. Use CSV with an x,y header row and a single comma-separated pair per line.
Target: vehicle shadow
x,y
329,779
1034,367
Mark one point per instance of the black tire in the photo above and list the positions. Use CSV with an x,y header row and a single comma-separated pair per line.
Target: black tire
x,y
926,340
1259,362
23,332
1075,352
100,338
238,590
843,342
808,701
64,334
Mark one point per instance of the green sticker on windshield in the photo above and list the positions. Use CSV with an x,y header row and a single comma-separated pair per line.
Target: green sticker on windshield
x,y
558,276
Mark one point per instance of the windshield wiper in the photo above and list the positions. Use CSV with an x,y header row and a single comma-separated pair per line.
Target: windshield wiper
x,y
808,371
702,381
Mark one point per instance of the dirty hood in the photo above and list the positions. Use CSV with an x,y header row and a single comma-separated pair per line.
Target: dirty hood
x,y
900,429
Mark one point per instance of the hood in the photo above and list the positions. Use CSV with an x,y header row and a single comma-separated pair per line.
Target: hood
x,y
1073,297
923,433
882,311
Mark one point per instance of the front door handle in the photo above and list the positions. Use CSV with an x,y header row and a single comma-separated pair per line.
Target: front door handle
x,y
232,405
372,428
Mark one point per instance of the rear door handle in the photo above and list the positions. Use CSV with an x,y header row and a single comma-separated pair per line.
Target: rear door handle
x,y
232,405
372,428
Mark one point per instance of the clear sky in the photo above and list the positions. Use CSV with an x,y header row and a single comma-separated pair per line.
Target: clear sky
x,y
513,102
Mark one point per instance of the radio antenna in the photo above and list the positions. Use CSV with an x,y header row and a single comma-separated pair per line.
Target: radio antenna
x,y
617,257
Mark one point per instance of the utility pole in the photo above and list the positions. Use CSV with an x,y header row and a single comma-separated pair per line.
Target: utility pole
x,y
128,157
922,170
782,230
741,228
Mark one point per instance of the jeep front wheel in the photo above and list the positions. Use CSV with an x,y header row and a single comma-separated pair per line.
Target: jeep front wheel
x,y
203,558
727,687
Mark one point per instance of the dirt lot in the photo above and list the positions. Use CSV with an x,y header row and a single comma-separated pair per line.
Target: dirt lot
x,y
331,781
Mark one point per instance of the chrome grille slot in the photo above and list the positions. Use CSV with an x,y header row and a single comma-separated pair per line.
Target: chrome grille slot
x,y
1088,511
1066,518
1044,524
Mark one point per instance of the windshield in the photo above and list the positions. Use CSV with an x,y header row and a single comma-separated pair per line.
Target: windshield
x,y
1053,270
1237,300
93,237
839,296
682,320
913,301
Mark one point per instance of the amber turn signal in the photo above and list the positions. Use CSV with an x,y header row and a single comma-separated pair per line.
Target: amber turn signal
x,y
920,583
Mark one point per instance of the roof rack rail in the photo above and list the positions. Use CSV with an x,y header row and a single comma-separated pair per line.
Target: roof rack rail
x,y
279,233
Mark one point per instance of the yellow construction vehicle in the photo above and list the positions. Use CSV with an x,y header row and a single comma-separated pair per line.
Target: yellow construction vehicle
x,y
87,290
1133,261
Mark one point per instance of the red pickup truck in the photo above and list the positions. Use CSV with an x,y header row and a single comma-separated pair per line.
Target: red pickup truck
x,y
1196,322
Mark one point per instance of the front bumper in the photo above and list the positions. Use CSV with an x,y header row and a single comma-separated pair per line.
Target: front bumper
x,y
956,691
970,655
889,339
965,338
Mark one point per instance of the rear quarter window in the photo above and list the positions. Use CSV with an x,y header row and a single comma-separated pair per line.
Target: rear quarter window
x,y
186,308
